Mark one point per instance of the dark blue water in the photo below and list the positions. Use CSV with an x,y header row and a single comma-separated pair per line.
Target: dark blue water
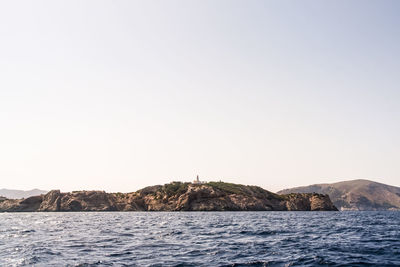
x,y
200,239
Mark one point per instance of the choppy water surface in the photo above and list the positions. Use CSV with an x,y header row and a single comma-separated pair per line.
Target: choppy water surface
x,y
200,238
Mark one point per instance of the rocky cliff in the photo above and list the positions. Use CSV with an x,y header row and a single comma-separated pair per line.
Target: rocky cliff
x,y
356,194
175,196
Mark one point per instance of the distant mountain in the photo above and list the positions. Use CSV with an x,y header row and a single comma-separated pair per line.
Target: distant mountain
x,y
355,194
17,194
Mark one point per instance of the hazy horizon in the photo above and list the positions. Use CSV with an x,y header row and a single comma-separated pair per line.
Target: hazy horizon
x,y
129,191
119,95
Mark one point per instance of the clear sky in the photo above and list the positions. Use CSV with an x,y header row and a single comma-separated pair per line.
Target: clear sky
x,y
118,95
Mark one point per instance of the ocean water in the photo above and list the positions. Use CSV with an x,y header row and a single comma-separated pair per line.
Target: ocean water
x,y
200,239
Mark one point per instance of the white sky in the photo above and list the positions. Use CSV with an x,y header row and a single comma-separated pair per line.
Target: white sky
x,y
118,95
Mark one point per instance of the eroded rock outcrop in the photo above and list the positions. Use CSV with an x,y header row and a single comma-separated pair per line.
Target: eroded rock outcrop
x,y
27,204
78,201
309,201
51,201
175,196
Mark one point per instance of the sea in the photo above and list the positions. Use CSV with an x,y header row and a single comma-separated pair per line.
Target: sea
x,y
200,239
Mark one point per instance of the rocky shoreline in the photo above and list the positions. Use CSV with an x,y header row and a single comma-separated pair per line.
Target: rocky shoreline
x,y
175,196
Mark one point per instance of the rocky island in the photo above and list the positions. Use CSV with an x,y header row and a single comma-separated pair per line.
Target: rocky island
x,y
175,196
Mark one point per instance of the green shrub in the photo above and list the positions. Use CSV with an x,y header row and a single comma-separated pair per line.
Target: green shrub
x,y
174,188
228,187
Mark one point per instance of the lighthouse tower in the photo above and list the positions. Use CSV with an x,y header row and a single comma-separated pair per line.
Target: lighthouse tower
x,y
197,181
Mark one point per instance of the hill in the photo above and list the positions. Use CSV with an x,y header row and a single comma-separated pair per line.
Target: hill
x,y
175,196
16,194
355,194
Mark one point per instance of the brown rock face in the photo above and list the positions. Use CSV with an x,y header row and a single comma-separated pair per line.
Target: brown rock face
x,y
28,204
176,196
78,201
51,201
308,202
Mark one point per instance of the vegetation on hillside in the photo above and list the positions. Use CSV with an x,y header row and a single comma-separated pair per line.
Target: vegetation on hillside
x,y
227,187
174,188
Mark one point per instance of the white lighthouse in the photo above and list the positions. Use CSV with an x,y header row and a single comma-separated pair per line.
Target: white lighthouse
x,y
197,181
